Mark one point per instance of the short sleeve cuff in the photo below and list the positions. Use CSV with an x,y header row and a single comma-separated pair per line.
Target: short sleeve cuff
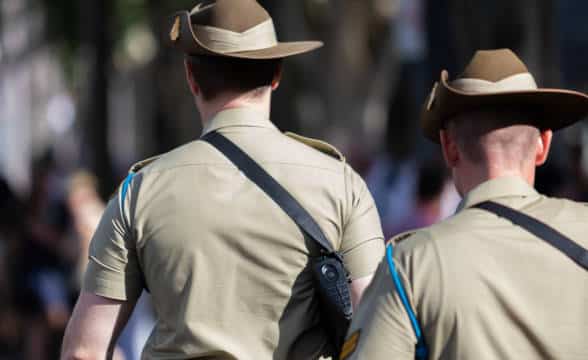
x,y
364,259
105,282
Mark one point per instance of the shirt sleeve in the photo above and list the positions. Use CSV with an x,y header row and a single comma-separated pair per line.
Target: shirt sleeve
x,y
113,270
362,244
381,328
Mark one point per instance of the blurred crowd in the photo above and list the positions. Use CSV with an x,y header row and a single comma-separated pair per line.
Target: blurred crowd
x,y
372,94
44,243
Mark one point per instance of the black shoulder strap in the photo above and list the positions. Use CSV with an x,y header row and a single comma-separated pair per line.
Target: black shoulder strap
x,y
541,230
271,187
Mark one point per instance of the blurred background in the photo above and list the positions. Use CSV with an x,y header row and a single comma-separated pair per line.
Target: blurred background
x,y
87,87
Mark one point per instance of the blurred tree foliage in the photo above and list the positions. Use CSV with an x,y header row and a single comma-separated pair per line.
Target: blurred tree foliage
x,y
85,35
65,20
93,37
63,29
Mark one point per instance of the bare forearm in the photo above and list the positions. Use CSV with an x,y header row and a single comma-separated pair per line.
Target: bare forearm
x,y
78,354
86,354
76,347
94,328
358,286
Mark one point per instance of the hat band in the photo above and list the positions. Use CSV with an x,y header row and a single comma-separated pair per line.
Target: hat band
x,y
219,40
518,82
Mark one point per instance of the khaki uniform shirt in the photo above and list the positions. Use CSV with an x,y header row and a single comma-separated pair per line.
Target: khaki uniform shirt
x,y
226,267
481,287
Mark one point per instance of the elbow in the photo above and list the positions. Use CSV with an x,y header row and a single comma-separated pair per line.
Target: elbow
x,y
78,354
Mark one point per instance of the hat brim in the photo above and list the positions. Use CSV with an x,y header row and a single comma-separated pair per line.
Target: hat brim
x,y
188,42
552,108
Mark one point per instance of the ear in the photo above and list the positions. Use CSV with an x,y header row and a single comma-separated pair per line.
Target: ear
x,y
277,77
543,146
450,149
193,85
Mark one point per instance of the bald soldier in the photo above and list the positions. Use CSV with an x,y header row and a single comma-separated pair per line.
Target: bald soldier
x,y
227,268
506,276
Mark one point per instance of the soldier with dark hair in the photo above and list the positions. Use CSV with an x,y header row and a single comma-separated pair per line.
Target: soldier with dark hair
x,y
227,269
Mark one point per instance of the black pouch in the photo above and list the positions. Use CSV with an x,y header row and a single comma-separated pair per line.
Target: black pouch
x,y
334,296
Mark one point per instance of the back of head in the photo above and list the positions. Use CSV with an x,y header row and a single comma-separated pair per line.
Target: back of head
x,y
216,75
500,138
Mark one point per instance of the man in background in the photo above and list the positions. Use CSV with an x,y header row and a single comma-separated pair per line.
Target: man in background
x,y
431,183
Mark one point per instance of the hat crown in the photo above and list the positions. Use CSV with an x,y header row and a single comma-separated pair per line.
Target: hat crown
x,y
494,65
233,15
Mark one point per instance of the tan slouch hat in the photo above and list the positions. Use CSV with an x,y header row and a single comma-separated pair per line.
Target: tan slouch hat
x,y
232,28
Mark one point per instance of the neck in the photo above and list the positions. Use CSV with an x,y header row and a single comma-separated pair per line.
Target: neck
x,y
258,100
467,179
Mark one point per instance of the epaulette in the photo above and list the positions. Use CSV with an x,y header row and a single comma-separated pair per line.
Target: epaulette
x,y
319,145
395,240
141,164
135,168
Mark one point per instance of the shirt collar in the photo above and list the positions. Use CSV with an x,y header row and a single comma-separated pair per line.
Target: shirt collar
x,y
238,117
507,186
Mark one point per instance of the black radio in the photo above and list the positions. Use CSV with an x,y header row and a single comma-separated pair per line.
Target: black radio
x,y
332,285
